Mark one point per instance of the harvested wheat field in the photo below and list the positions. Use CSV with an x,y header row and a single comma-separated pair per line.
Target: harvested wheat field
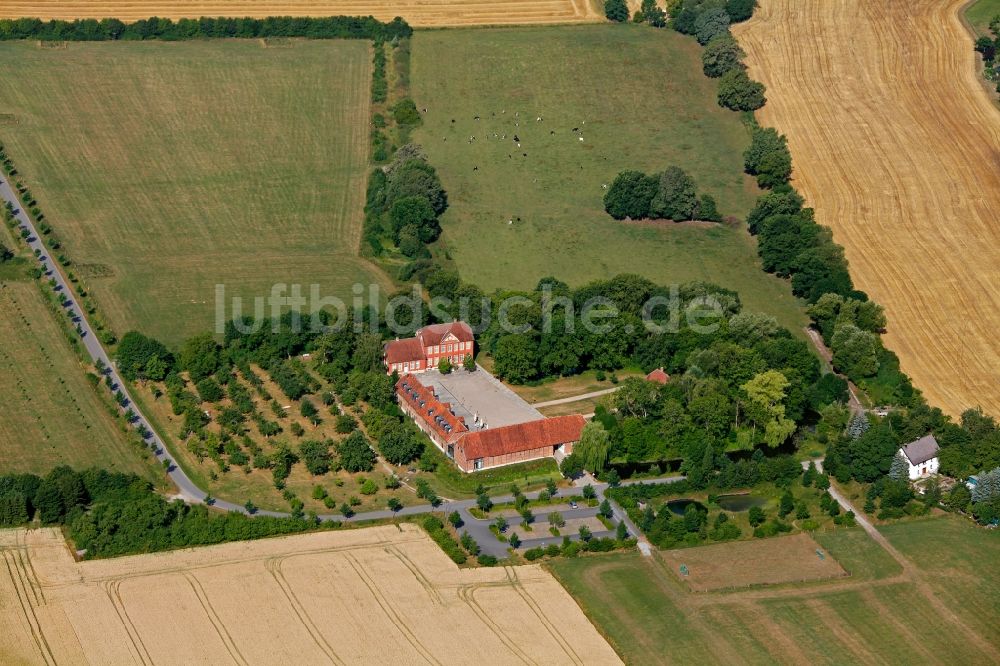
x,y
421,13
377,595
788,559
897,146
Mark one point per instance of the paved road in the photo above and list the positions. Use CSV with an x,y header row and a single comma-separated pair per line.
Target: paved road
x,y
574,398
187,489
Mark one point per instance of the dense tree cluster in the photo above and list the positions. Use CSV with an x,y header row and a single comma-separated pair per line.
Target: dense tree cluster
x,y
738,92
109,513
5,254
142,357
747,383
110,29
404,201
666,529
650,12
670,195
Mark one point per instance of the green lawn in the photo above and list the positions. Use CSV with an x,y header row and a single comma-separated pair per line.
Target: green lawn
x,y
962,566
169,168
980,13
868,618
50,415
640,101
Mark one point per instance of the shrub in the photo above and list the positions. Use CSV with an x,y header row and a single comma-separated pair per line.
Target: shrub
x,y
533,554
435,528
405,113
616,10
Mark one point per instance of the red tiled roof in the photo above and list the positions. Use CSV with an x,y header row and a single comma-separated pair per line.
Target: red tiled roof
x,y
408,388
401,351
659,376
435,333
522,436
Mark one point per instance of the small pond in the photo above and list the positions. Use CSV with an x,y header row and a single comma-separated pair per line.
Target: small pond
x,y
739,502
679,506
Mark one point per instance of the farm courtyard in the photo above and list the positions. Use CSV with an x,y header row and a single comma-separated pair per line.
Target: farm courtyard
x,y
169,168
638,100
377,595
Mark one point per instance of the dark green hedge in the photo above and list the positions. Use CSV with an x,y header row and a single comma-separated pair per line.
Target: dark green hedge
x,y
93,30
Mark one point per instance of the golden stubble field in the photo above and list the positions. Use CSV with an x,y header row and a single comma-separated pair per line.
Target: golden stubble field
x,y
420,13
383,595
897,147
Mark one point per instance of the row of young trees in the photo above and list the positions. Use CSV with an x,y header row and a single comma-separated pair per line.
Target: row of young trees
x,y
669,195
111,29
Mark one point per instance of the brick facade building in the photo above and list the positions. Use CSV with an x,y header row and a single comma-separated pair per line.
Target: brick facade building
x,y
475,449
424,351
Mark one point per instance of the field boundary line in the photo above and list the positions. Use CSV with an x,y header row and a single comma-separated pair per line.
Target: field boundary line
x,y
273,566
111,588
566,646
213,617
467,593
432,592
844,634
394,617
23,598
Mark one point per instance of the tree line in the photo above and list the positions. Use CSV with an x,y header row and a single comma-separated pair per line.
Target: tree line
x,y
110,513
112,29
987,47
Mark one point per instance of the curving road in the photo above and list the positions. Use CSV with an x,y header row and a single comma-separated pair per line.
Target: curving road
x,y
187,489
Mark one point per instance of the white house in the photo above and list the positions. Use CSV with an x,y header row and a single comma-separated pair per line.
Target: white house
x,y
922,456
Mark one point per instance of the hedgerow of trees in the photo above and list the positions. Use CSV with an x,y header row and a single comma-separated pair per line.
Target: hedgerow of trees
x,y
111,29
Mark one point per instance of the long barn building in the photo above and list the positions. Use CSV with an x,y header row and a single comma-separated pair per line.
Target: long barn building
x,y
475,447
